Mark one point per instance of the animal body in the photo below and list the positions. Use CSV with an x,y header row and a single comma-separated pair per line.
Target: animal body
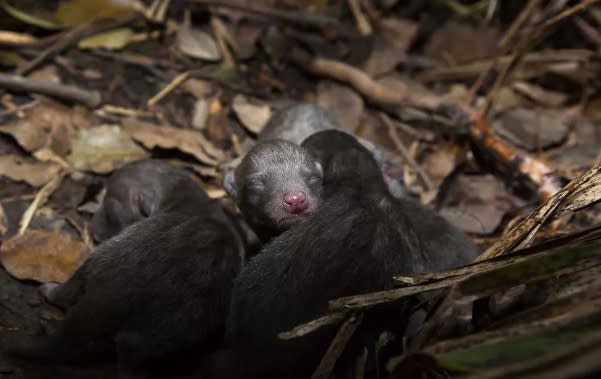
x,y
135,192
358,238
156,294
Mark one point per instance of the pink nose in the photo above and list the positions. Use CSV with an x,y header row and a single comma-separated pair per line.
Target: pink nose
x,y
295,201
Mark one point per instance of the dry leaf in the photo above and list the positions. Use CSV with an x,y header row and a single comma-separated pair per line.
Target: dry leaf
x,y
48,125
252,116
3,221
112,40
168,137
76,12
103,149
197,43
43,256
201,114
399,32
33,173
345,104
530,129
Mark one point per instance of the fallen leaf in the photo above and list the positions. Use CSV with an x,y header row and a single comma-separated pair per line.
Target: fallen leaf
x,y
477,203
253,116
112,40
383,58
33,173
168,137
530,129
540,94
28,18
47,125
10,58
76,12
103,149
345,104
439,163
399,32
42,256
3,221
456,42
197,44
198,88
200,114
246,37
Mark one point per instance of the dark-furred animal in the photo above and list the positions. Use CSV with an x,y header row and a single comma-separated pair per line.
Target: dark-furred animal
x,y
359,237
156,294
135,192
276,185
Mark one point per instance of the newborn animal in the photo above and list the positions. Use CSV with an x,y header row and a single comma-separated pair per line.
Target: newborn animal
x,y
156,295
135,192
355,241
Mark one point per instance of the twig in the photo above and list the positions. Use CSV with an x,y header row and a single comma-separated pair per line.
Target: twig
x,y
39,200
18,108
310,326
345,332
405,153
170,87
362,22
297,18
72,37
519,21
66,92
568,12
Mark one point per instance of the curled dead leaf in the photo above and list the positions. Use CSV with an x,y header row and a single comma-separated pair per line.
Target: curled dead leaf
x,y
252,116
168,137
197,43
104,148
33,173
43,256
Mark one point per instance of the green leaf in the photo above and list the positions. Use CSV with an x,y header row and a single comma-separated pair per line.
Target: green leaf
x,y
29,19
113,39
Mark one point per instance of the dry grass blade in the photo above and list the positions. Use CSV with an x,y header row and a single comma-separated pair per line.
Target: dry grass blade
x,y
573,194
39,200
326,366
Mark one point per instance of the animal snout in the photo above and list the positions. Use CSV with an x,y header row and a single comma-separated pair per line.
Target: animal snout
x,y
295,201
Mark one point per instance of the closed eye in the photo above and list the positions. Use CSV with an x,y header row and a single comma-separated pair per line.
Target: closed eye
x,y
315,180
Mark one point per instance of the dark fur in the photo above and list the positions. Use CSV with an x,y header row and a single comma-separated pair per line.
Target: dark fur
x,y
135,192
155,294
266,173
357,240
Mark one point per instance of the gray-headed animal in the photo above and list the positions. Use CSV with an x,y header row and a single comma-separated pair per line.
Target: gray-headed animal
x,y
296,122
157,293
276,185
357,240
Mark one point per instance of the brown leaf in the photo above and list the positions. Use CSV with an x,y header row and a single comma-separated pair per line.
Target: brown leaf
x,y
252,115
48,125
102,149
462,43
3,221
43,256
399,32
33,173
345,104
168,137
197,43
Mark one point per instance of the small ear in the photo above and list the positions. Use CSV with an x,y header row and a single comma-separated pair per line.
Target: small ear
x,y
229,183
319,168
144,202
